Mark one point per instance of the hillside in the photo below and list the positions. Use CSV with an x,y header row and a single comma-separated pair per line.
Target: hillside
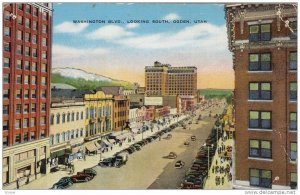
x,y
217,93
81,79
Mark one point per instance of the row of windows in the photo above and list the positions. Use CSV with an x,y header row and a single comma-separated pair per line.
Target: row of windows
x,y
65,136
26,122
103,111
263,120
20,35
20,64
25,109
18,94
263,91
28,9
262,61
6,79
26,136
19,51
66,117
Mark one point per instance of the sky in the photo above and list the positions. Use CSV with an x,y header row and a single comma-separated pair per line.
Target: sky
x,y
122,50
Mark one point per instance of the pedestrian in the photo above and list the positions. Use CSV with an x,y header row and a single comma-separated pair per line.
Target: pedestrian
x,y
17,182
213,168
84,157
216,162
111,147
222,180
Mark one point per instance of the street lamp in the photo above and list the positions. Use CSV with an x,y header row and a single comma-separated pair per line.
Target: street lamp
x,y
212,145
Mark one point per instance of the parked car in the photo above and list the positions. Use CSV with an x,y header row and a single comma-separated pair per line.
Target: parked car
x,y
189,185
107,162
91,172
172,155
169,136
121,159
186,143
130,150
81,177
63,183
137,147
179,164
149,139
193,138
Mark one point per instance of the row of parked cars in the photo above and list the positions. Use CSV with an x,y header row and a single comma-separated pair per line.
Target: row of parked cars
x,y
197,173
83,176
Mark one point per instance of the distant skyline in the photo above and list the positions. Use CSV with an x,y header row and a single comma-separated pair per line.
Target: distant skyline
x,y
122,50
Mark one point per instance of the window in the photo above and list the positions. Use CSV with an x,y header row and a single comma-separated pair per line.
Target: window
x,y
18,109
43,108
6,15
43,134
32,135
260,91
25,138
44,68
34,53
27,23
26,108
35,11
260,148
72,134
52,119
293,121
6,46
77,133
63,136
260,119
34,25
5,93
63,118
34,39
33,93
17,123
27,8
33,108
17,139
6,31
33,80
81,132
44,55
26,65
26,79
293,60
6,62
19,50
81,116
18,93
19,79
261,178
27,37
19,64
5,125
5,109
51,140
260,32
67,135
25,122
5,78
293,25
73,116
293,153
57,118
20,6
42,120
27,51
45,16
44,82
43,94
77,116
57,138
293,182
68,117
260,62
20,20
44,43
26,93
44,29
293,91
33,66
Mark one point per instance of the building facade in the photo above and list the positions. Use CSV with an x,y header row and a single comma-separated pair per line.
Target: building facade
x,y
263,42
98,115
27,37
162,79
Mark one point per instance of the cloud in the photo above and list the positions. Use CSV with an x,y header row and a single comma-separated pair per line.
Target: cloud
x,y
132,25
171,16
109,32
69,27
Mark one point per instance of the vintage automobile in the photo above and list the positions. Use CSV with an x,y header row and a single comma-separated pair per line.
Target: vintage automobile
x,y
81,177
190,185
172,155
186,143
107,162
63,183
90,171
193,138
179,164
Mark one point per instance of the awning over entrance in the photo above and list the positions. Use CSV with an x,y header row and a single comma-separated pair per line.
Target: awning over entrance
x,y
107,144
98,146
91,147
57,153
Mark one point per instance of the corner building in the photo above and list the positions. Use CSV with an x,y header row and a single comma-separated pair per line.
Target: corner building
x,y
27,37
264,53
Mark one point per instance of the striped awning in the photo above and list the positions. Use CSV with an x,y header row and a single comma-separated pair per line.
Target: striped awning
x,y
91,147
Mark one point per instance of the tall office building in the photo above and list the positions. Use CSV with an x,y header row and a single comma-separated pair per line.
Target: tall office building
x,y
26,91
162,79
263,42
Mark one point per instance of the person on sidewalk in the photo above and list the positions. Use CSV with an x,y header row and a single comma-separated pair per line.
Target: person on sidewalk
x,y
17,182
222,180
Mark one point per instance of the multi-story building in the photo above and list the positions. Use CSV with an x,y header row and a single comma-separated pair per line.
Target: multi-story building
x,y
27,37
263,41
120,107
98,115
66,125
162,79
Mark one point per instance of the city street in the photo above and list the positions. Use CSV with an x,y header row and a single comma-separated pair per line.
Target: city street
x,y
147,168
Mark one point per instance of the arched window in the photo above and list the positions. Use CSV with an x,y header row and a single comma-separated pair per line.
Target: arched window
x,y
77,116
81,117
63,136
63,118
57,118
68,117
67,135
72,134
52,119
57,138
77,133
51,140
73,116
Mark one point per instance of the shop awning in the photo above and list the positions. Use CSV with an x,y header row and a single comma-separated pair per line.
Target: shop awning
x,y
91,147
124,136
107,144
112,141
97,145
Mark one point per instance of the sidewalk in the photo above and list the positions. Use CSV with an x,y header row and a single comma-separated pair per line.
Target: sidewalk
x,y
47,181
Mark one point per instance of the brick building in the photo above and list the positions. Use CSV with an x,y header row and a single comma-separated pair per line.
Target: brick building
x,y
264,50
162,79
27,37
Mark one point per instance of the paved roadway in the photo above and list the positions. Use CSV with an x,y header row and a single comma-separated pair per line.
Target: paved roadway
x,y
147,169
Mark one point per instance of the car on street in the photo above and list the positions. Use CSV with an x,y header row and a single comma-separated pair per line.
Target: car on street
x,y
186,143
193,138
89,171
169,136
137,147
107,162
190,185
81,177
179,164
63,183
171,155
130,150
121,159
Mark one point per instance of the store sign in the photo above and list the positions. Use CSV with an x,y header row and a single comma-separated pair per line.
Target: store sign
x,y
153,101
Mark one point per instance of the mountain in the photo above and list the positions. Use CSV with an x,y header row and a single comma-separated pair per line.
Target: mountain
x,y
81,79
78,73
